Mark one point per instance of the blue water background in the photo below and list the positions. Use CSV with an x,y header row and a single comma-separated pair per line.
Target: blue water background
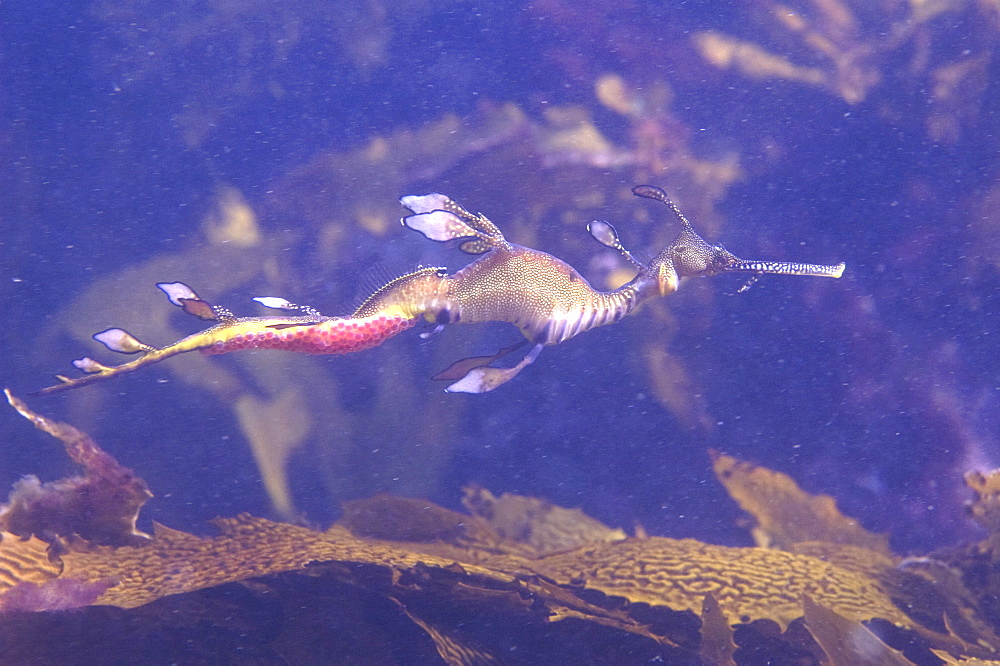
x,y
879,389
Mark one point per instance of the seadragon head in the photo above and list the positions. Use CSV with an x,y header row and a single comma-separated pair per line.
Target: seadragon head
x,y
692,256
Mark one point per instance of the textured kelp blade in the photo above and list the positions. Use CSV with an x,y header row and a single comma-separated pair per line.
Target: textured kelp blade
x,y
784,514
179,563
747,582
663,572
538,527
937,594
25,561
848,642
296,618
290,619
753,582
248,547
455,651
569,585
390,518
645,590
513,524
717,645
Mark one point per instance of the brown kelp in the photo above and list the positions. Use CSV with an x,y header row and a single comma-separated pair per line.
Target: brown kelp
x,y
418,579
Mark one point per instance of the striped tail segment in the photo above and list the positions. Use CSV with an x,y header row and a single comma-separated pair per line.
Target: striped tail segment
x,y
332,336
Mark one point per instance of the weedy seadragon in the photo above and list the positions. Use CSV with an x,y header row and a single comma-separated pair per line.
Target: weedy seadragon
x,y
542,295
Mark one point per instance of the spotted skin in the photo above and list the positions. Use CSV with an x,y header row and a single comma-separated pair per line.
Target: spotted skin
x,y
306,335
543,296
333,336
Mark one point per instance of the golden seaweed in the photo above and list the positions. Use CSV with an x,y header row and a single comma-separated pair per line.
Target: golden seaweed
x,y
784,515
570,585
853,50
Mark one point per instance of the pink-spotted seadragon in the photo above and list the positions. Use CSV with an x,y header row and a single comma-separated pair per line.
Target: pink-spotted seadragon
x,y
543,296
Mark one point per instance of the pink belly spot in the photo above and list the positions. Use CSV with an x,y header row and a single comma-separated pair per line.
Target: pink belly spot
x,y
336,336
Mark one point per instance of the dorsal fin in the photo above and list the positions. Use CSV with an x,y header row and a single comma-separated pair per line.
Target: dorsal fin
x,y
278,303
363,309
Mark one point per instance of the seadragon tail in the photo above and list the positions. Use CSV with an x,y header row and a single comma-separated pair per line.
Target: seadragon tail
x,y
309,334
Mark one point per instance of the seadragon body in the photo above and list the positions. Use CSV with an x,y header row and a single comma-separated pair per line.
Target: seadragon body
x,y
540,294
